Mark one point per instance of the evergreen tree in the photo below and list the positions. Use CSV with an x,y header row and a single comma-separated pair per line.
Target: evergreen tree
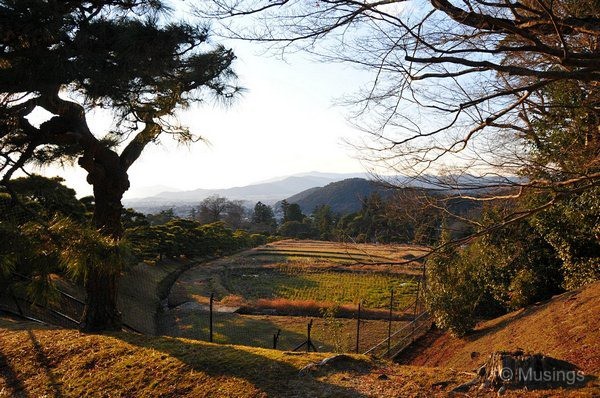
x,y
292,212
263,219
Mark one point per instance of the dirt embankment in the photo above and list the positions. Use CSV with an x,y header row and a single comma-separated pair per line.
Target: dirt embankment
x,y
564,327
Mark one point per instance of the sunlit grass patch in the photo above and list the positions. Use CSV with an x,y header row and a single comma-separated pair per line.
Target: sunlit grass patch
x,y
372,289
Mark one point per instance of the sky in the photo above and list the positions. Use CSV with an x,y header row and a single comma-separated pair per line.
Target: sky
x,y
284,123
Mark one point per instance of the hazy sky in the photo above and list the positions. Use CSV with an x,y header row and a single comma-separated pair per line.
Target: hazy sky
x,y
284,123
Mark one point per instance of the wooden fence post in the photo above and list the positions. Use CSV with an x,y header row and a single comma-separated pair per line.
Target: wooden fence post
x,y
358,328
212,298
308,341
389,340
415,312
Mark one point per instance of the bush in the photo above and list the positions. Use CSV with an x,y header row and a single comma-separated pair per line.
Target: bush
x,y
258,240
453,292
189,238
523,289
504,270
297,229
571,228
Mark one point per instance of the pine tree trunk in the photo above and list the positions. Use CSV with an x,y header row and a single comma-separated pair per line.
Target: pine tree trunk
x,y
101,312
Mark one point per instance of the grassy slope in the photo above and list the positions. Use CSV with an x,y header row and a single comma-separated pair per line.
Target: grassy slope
x,y
140,292
565,327
38,362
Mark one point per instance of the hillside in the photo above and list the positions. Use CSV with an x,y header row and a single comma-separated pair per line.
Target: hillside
x,y
343,197
565,327
37,361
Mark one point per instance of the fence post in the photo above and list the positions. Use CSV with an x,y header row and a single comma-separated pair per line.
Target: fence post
x,y
423,288
276,338
212,297
415,312
308,341
389,339
358,327
12,293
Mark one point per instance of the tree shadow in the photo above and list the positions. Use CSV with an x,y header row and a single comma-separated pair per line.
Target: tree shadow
x,y
42,359
504,323
274,377
13,387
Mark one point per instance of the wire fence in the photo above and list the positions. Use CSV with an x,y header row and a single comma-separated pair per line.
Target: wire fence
x,y
351,328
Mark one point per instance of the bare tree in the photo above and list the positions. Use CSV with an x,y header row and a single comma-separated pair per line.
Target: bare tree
x,y
236,212
462,91
212,209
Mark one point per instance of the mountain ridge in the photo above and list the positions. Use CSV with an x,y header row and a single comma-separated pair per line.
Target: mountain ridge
x,y
346,196
267,192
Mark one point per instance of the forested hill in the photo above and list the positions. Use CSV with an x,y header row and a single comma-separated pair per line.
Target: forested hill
x,y
343,197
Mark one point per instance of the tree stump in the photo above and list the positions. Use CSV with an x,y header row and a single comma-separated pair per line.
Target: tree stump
x,y
517,369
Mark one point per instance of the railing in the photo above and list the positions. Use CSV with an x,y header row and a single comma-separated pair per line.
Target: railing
x,y
45,313
394,344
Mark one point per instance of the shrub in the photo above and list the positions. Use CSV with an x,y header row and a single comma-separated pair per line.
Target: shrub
x,y
453,293
523,289
189,238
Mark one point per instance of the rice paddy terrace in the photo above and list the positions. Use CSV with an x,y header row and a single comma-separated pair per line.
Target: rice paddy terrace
x,y
280,287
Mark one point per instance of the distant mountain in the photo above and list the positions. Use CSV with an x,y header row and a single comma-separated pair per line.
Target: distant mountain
x,y
343,197
141,192
332,177
267,192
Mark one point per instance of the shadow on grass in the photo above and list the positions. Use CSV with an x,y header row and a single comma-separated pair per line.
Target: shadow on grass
x,y
503,324
13,387
328,334
274,377
232,328
11,377
42,359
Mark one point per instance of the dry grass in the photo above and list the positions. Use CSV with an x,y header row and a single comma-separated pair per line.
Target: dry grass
x,y
37,362
283,306
565,327
390,251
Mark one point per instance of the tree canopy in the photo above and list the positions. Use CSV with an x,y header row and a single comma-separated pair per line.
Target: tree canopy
x,y
70,57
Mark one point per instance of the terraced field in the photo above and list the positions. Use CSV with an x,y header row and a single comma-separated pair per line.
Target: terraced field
x,y
281,286
372,289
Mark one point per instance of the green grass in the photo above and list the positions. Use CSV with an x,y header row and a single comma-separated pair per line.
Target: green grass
x,y
371,288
